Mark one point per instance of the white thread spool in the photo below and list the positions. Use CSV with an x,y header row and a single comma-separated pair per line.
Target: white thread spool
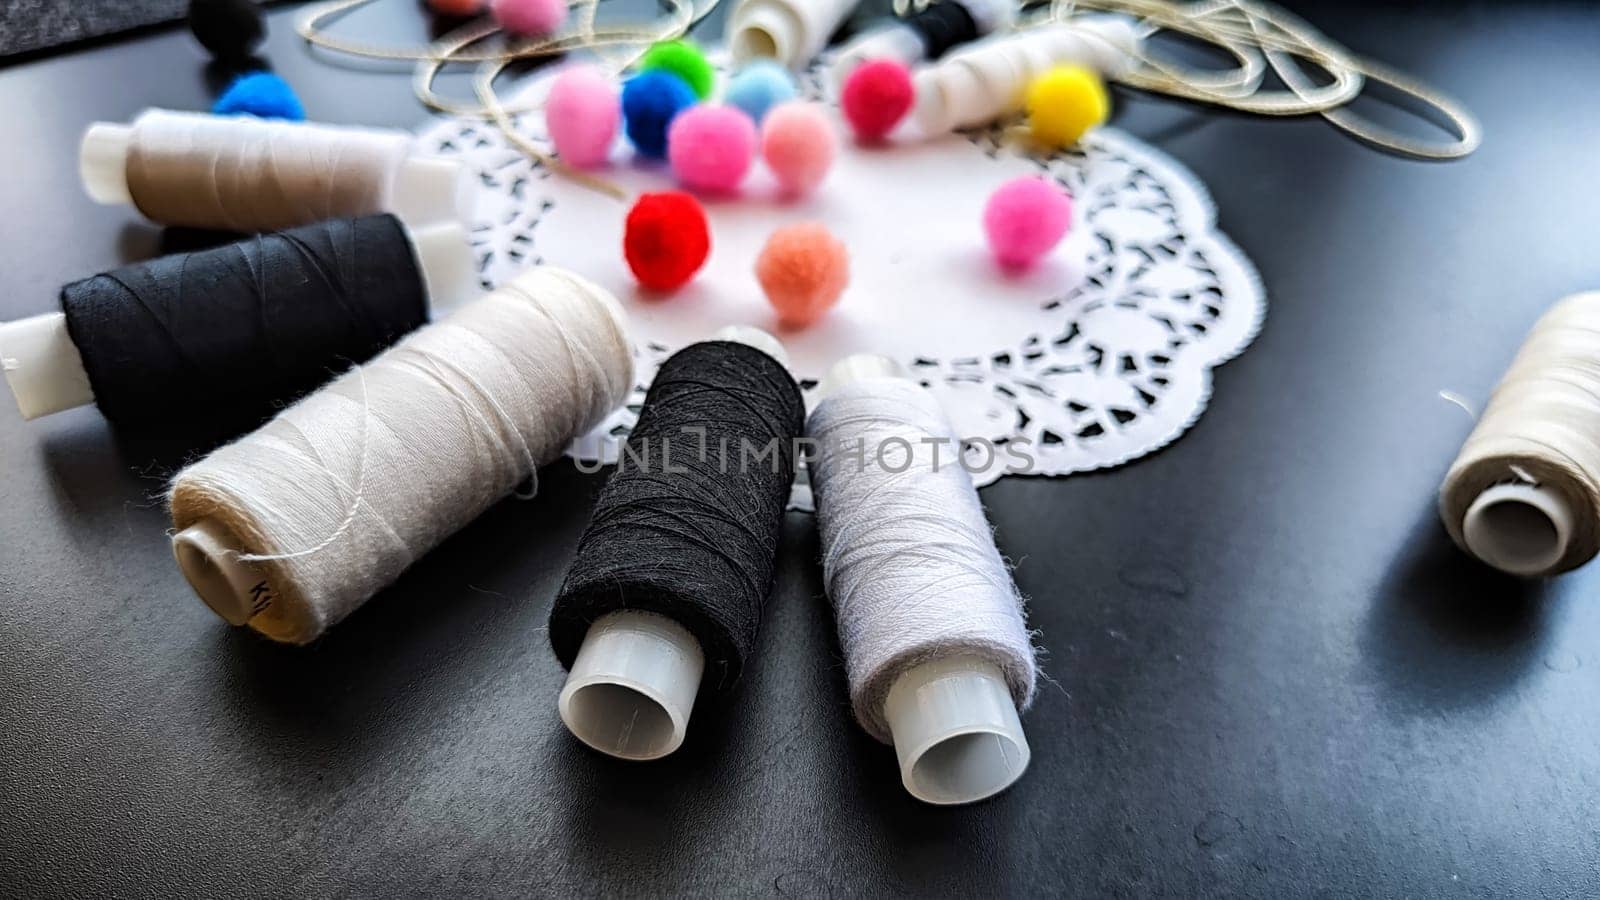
x,y
632,687
989,80
382,175
792,32
45,371
951,716
289,567
900,42
1523,495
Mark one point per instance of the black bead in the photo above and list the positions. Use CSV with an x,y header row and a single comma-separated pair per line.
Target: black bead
x,y
230,29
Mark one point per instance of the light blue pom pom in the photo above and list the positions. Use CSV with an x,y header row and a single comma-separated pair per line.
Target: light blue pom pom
x,y
260,94
759,87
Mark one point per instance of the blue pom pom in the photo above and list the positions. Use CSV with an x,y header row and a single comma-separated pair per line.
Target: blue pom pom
x,y
650,101
260,94
759,87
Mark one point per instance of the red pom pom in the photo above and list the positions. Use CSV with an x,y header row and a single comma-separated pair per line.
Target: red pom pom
x,y
666,239
875,97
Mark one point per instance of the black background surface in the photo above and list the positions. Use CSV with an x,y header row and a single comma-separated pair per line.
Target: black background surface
x,y
1271,673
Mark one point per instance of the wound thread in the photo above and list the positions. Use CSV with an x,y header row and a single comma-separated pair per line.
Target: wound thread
x,y
340,493
908,559
688,525
226,333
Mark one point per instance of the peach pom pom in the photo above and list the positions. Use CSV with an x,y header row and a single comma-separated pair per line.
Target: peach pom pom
x,y
710,147
798,143
582,114
529,18
875,97
803,270
1025,218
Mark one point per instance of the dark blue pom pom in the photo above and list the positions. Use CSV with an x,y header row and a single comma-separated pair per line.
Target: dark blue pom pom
x,y
650,100
260,94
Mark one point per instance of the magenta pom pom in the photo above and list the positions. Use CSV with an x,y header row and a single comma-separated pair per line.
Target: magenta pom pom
x,y
710,147
529,18
1024,218
875,97
798,143
582,115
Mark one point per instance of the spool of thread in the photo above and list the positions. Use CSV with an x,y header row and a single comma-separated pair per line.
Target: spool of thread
x,y
936,649
226,334
928,33
792,32
674,568
236,173
989,80
294,526
1524,493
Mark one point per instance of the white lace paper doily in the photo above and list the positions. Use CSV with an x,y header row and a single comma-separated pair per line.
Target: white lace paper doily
x,y
1092,359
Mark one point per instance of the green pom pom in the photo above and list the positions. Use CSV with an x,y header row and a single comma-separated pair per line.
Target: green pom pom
x,y
685,60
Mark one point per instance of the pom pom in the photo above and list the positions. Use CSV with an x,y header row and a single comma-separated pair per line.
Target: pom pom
x,y
760,86
1024,218
582,115
459,8
666,239
1064,103
803,270
875,97
230,29
529,18
685,60
650,101
798,143
710,147
260,94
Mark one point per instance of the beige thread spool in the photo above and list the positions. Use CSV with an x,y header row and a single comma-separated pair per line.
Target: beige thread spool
x,y
1524,493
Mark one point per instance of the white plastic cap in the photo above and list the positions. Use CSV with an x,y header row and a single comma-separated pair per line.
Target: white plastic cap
x,y
1522,529
632,685
208,555
956,731
42,365
103,162
429,189
445,258
856,368
754,337
764,29
897,42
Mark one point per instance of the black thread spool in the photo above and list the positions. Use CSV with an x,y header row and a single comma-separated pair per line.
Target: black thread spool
x,y
674,569
230,29
220,337
943,26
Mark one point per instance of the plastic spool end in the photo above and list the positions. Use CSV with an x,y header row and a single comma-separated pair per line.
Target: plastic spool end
x,y
897,42
754,337
632,686
429,189
858,367
208,555
42,365
103,163
445,258
956,731
1523,529
762,31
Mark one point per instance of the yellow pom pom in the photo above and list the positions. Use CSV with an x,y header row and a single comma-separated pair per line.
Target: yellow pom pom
x,y
1064,103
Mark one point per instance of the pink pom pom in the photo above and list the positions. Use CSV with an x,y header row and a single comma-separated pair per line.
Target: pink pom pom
x,y
798,143
710,147
803,269
582,115
529,17
1024,218
876,96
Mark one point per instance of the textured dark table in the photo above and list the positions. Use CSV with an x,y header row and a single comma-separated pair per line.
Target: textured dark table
x,y
1276,677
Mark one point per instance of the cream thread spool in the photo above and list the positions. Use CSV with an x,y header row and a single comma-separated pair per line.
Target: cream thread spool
x,y
952,715
1523,495
792,32
46,374
292,563
248,174
988,80
632,688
